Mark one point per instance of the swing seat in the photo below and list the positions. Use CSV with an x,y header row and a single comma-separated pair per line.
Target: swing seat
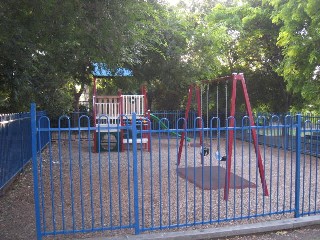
x,y
219,158
204,151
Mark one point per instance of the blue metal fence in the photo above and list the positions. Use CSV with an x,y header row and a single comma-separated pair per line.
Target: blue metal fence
x,y
79,189
15,145
172,118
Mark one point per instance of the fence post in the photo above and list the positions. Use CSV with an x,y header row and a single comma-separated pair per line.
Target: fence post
x,y
33,113
135,173
297,180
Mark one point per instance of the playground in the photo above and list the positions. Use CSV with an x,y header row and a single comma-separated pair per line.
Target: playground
x,y
135,174
125,118
151,187
83,190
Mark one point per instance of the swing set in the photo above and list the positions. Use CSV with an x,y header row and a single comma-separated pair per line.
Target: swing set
x,y
234,78
204,149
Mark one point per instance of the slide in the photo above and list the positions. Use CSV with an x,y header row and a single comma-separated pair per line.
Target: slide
x,y
163,126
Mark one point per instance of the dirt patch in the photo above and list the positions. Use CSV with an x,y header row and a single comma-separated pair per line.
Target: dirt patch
x,y
17,219
213,177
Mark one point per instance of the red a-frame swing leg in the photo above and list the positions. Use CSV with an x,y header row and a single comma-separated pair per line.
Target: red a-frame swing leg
x,y
231,136
254,137
198,98
184,124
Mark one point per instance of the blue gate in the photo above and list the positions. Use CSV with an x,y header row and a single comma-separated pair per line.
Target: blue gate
x,y
79,189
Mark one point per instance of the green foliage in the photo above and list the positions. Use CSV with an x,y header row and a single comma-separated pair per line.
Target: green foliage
x,y
47,48
243,39
299,40
163,66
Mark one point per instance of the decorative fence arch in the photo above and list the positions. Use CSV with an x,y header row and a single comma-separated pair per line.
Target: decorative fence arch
x,y
78,190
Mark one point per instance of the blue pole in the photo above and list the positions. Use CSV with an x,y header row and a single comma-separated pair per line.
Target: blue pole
x,y
298,152
135,173
33,113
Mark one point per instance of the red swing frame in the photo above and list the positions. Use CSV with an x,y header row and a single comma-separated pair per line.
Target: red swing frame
x,y
234,78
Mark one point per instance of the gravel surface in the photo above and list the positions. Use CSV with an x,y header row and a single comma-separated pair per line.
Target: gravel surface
x,y
166,199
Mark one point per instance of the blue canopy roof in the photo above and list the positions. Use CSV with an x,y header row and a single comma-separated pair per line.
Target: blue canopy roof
x,y
101,70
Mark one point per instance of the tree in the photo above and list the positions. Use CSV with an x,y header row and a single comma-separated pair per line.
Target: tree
x,y
15,53
242,38
261,57
299,40
163,65
48,48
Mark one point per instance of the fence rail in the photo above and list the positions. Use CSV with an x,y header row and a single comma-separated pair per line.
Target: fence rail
x,y
80,189
15,145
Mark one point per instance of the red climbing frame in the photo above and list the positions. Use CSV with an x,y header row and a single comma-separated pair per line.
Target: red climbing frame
x,y
235,78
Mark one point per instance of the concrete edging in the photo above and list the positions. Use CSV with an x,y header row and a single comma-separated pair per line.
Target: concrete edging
x,y
238,230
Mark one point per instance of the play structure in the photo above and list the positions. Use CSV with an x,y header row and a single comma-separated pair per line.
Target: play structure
x,y
76,190
230,124
110,113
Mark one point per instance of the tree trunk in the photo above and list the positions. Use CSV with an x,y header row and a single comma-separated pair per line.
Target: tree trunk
x,y
76,98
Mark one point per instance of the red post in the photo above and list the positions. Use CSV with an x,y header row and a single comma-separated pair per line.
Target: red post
x,y
145,98
184,124
146,113
235,78
230,136
254,137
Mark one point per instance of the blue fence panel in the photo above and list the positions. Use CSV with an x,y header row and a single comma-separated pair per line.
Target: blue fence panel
x,y
173,118
309,168
192,193
182,181
82,188
15,145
